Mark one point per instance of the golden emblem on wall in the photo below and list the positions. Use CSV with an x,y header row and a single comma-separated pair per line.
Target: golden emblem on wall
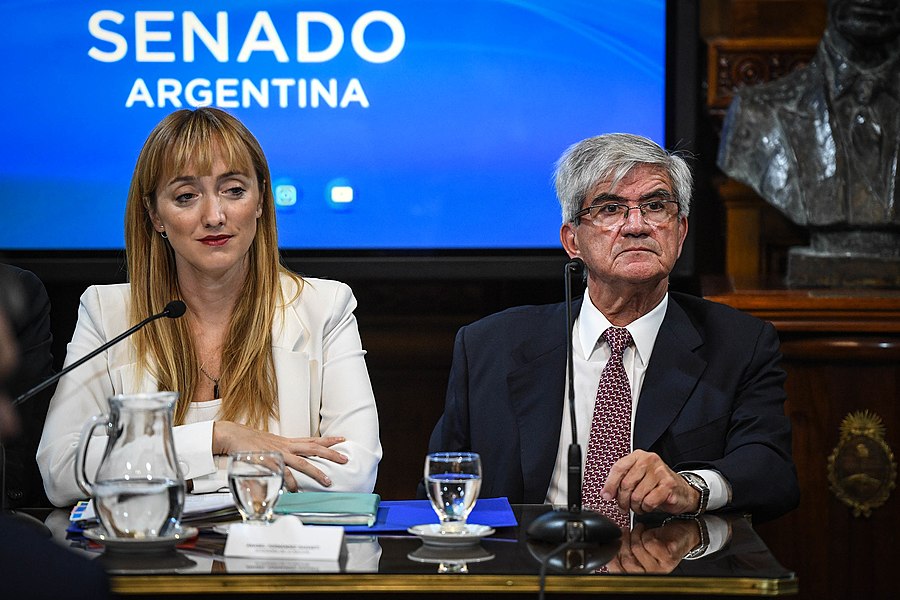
x,y
861,469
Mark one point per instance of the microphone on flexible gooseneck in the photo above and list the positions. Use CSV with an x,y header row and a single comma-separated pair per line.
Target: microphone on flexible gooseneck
x,y
173,310
574,525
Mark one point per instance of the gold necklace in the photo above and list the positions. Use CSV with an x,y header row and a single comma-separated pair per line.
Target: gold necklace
x,y
215,381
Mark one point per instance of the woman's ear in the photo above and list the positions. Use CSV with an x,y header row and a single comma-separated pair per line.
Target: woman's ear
x,y
155,221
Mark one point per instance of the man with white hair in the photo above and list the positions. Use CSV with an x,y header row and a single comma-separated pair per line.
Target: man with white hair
x,y
687,392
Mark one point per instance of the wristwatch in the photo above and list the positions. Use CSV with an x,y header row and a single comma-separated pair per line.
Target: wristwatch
x,y
699,484
701,548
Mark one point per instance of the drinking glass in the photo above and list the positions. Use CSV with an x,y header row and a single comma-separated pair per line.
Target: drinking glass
x,y
255,480
453,480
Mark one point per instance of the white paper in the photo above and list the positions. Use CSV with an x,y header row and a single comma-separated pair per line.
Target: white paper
x,y
203,503
285,538
194,504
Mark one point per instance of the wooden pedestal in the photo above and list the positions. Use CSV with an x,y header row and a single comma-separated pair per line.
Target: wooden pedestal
x,y
842,356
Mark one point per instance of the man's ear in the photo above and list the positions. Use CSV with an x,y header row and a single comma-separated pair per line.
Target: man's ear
x,y
569,240
683,222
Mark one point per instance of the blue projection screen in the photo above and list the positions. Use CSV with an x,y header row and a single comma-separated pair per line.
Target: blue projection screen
x,y
392,124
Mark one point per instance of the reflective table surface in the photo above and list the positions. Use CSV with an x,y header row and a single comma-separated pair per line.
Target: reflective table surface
x,y
646,561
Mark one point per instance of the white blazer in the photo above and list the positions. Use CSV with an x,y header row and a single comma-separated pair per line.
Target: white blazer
x,y
323,390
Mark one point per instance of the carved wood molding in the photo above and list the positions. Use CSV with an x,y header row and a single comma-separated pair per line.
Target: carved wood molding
x,y
736,62
862,470
821,311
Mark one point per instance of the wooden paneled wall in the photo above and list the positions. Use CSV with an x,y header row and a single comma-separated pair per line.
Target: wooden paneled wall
x,y
841,347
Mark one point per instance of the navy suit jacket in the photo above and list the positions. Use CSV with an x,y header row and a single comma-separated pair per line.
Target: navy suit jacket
x,y
712,397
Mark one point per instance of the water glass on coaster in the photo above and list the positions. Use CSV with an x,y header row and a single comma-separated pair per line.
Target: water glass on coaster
x,y
256,480
453,480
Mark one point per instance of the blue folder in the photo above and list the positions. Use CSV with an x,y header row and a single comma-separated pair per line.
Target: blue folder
x,y
400,515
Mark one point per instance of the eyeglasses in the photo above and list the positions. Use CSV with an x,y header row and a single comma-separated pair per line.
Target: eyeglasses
x,y
613,214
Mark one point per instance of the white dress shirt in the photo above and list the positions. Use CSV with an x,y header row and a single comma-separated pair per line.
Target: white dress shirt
x,y
590,355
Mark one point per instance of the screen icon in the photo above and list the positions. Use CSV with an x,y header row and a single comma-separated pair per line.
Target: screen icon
x,y
285,195
340,194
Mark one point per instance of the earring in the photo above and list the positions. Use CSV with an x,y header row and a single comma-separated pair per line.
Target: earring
x,y
163,235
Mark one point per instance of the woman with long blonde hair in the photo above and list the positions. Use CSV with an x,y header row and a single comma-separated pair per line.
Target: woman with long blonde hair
x,y
262,359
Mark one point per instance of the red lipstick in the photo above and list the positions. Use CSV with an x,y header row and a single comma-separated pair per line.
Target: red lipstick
x,y
215,240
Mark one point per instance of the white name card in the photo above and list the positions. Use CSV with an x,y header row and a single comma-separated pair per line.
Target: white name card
x,y
285,538
235,564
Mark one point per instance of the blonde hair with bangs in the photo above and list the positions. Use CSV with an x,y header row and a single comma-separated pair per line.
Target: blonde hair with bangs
x,y
165,348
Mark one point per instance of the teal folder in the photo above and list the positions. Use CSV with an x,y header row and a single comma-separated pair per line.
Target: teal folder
x,y
330,508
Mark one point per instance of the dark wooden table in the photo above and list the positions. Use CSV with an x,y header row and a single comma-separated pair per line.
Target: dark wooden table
x,y
506,563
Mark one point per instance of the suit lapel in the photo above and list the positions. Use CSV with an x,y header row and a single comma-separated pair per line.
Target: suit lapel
x,y
536,389
671,377
294,371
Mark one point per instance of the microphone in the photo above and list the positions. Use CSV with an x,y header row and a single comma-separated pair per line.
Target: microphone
x,y
573,525
173,310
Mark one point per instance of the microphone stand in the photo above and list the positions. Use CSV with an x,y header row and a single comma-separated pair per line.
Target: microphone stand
x,y
573,525
574,486
173,310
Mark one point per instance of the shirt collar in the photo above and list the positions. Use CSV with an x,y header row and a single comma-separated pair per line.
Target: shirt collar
x,y
591,323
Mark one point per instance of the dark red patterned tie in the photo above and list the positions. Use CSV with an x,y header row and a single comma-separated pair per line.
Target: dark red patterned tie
x,y
610,437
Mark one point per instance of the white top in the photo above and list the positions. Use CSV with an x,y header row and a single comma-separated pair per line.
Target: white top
x,y
203,411
590,356
323,390
198,412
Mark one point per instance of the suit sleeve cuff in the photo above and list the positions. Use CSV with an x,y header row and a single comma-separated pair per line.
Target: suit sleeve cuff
x,y
193,446
715,533
719,489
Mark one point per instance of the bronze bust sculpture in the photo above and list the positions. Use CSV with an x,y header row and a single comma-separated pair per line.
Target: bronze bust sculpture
x,y
821,145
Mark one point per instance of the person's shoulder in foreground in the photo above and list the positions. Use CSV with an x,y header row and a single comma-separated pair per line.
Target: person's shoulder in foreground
x,y
34,567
